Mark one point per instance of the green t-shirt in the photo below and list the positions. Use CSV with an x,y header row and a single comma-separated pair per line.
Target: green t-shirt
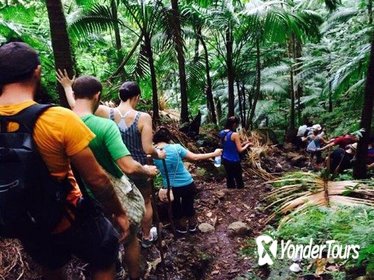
x,y
107,146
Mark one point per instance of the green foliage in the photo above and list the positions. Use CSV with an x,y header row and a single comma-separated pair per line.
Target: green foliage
x,y
348,225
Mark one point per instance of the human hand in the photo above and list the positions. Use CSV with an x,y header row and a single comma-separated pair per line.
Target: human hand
x,y
217,152
151,170
161,154
63,78
124,226
249,143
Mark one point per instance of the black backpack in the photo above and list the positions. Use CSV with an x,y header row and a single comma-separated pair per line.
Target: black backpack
x,y
30,198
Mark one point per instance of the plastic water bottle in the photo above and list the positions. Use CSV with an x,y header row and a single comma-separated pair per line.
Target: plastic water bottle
x,y
217,161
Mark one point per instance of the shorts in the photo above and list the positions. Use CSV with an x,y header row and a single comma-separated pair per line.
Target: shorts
x,y
143,185
93,240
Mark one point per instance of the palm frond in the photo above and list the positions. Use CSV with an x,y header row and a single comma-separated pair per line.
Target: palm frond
x,y
98,18
296,194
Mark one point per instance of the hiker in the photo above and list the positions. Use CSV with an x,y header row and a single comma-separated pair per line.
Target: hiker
x,y
181,181
61,139
315,142
114,157
232,147
302,133
136,131
342,141
342,159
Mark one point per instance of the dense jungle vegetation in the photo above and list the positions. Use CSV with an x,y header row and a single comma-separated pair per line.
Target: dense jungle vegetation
x,y
275,64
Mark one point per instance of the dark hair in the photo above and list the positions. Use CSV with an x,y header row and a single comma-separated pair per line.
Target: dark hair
x,y
86,87
18,62
231,121
162,135
128,90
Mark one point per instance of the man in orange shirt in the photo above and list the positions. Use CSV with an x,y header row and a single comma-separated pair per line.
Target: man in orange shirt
x,y
62,139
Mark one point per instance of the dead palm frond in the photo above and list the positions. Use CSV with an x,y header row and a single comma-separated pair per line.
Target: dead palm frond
x,y
295,193
254,155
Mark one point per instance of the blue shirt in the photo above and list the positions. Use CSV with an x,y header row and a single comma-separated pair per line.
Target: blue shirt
x,y
178,174
230,152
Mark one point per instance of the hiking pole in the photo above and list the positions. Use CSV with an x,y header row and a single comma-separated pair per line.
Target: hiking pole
x,y
157,218
170,212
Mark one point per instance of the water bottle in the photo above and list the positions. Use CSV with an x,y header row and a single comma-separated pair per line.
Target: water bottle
x,y
217,161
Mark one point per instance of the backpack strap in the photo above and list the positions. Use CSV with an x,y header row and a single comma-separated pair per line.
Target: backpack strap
x,y
26,118
111,114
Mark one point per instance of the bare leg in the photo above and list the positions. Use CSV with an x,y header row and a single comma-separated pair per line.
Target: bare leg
x,y
107,274
132,258
147,219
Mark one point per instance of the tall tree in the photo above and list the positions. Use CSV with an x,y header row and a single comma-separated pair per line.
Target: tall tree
x,y
62,51
179,44
148,17
359,170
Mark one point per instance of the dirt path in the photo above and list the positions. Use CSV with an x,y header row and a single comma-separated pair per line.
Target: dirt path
x,y
217,254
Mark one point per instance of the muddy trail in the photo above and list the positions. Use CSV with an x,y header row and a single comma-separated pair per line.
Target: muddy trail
x,y
216,254
214,251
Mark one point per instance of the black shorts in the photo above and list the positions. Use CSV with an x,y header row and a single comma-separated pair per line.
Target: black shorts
x,y
94,241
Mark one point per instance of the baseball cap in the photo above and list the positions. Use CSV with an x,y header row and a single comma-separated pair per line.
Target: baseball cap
x,y
17,61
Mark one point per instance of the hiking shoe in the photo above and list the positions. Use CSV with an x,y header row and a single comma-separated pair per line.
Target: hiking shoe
x,y
192,228
181,226
192,224
180,229
146,243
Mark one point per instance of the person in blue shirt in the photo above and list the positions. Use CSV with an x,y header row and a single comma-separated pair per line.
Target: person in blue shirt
x,y
181,180
232,147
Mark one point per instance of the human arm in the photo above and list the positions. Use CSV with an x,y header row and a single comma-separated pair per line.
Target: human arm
x,y
239,146
102,188
130,166
147,135
370,166
329,145
67,84
196,157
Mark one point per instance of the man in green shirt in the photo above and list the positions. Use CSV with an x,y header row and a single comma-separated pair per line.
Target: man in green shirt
x,y
110,152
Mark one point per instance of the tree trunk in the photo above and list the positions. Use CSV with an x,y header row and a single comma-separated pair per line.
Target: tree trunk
x,y
127,58
181,62
300,88
62,51
208,91
258,83
197,40
244,102
149,52
370,11
230,71
292,89
360,169
117,34
241,113
330,85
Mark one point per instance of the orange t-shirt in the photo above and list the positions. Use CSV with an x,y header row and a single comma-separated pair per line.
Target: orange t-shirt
x,y
58,134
